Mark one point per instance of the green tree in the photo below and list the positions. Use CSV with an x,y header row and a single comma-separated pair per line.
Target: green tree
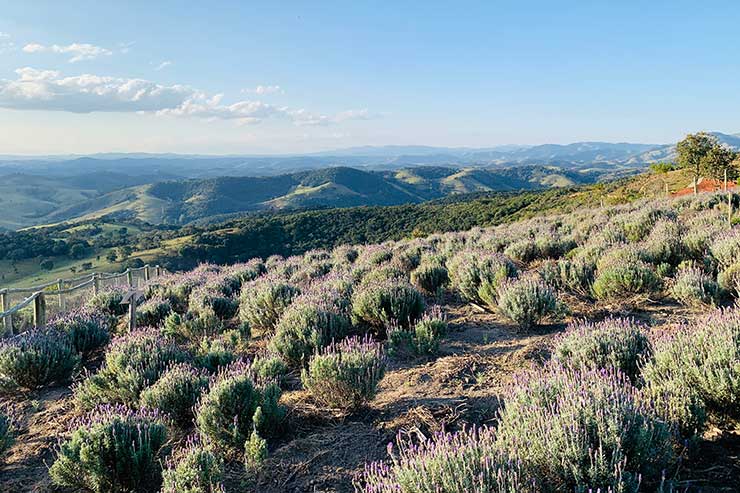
x,y
111,256
77,251
718,163
693,151
47,264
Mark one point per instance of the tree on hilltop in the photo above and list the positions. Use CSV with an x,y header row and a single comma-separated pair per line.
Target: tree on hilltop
x,y
702,153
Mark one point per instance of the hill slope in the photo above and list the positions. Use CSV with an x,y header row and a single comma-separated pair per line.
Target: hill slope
x,y
184,201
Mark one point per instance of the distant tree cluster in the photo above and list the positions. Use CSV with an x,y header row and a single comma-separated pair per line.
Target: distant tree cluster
x,y
702,154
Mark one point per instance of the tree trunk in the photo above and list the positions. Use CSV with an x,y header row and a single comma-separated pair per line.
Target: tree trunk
x,y
725,179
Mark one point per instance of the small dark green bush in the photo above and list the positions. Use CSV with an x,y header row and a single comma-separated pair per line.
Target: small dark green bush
x,y
623,282
176,392
225,413
6,432
86,329
430,277
380,304
264,300
527,301
37,358
345,375
196,469
112,449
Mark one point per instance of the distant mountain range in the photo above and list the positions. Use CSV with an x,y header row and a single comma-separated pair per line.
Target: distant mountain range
x,y
581,155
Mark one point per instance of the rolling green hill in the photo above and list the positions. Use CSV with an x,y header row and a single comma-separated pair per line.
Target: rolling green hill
x,y
180,202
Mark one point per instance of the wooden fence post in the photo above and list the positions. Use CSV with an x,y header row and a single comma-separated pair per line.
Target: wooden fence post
x,y
132,313
96,283
39,310
146,272
159,271
729,209
130,278
60,287
5,306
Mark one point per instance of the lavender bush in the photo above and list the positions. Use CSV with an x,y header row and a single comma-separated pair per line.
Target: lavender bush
x,y
108,301
36,358
704,359
527,301
270,368
693,287
378,304
208,300
153,312
430,277
729,279
132,363
422,338
194,469
726,248
176,392
213,354
264,300
585,430
193,326
469,461
113,448
522,250
312,322
88,330
225,414
345,375
477,274
625,282
619,343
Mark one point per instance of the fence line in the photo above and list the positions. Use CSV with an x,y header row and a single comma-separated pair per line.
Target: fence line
x,y
39,295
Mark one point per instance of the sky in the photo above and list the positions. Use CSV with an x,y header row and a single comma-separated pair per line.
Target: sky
x,y
223,77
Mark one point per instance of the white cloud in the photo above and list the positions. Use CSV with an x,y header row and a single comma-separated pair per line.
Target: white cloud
x,y
264,90
48,90
162,65
6,44
79,51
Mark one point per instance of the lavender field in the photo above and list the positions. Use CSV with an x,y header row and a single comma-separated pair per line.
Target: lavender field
x,y
593,351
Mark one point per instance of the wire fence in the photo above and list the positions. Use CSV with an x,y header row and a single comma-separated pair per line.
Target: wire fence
x,y
23,308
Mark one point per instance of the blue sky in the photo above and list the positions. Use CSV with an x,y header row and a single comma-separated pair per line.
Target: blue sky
x,y
280,77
